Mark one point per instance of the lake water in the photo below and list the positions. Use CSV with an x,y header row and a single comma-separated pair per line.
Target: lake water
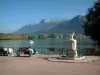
x,y
44,43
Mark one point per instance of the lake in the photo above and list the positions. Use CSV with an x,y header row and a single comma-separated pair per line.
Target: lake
x,y
41,44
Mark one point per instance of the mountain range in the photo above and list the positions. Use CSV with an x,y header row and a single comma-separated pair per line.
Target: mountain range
x,y
54,26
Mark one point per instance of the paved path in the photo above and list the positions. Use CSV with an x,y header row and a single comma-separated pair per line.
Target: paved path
x,y
37,66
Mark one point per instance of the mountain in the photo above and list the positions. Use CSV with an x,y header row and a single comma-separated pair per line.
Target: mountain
x,y
56,21
54,26
74,25
42,27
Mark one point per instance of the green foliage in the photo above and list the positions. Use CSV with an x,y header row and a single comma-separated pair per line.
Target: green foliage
x,y
91,25
52,35
31,37
41,36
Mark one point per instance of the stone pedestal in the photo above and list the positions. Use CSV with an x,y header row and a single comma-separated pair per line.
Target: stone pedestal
x,y
71,54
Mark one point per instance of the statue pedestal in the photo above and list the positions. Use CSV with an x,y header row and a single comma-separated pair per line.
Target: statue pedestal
x,y
71,54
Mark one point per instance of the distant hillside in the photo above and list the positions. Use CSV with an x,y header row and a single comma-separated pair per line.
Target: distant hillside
x,y
43,26
74,25
54,26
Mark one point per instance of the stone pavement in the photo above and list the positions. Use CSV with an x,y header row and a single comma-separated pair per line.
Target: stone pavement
x,y
86,59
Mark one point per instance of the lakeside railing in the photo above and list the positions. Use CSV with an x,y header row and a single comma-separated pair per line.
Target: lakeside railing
x,y
63,51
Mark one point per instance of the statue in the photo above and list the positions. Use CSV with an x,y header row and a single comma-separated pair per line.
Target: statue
x,y
71,36
72,46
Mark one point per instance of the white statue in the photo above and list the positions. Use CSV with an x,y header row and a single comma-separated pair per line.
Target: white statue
x,y
71,36
72,44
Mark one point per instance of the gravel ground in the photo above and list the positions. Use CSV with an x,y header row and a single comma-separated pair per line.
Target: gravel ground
x,y
36,66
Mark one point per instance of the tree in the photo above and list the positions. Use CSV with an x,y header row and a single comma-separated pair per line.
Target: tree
x,y
92,23
52,35
42,36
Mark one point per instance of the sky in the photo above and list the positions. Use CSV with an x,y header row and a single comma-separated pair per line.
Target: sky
x,y
14,14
